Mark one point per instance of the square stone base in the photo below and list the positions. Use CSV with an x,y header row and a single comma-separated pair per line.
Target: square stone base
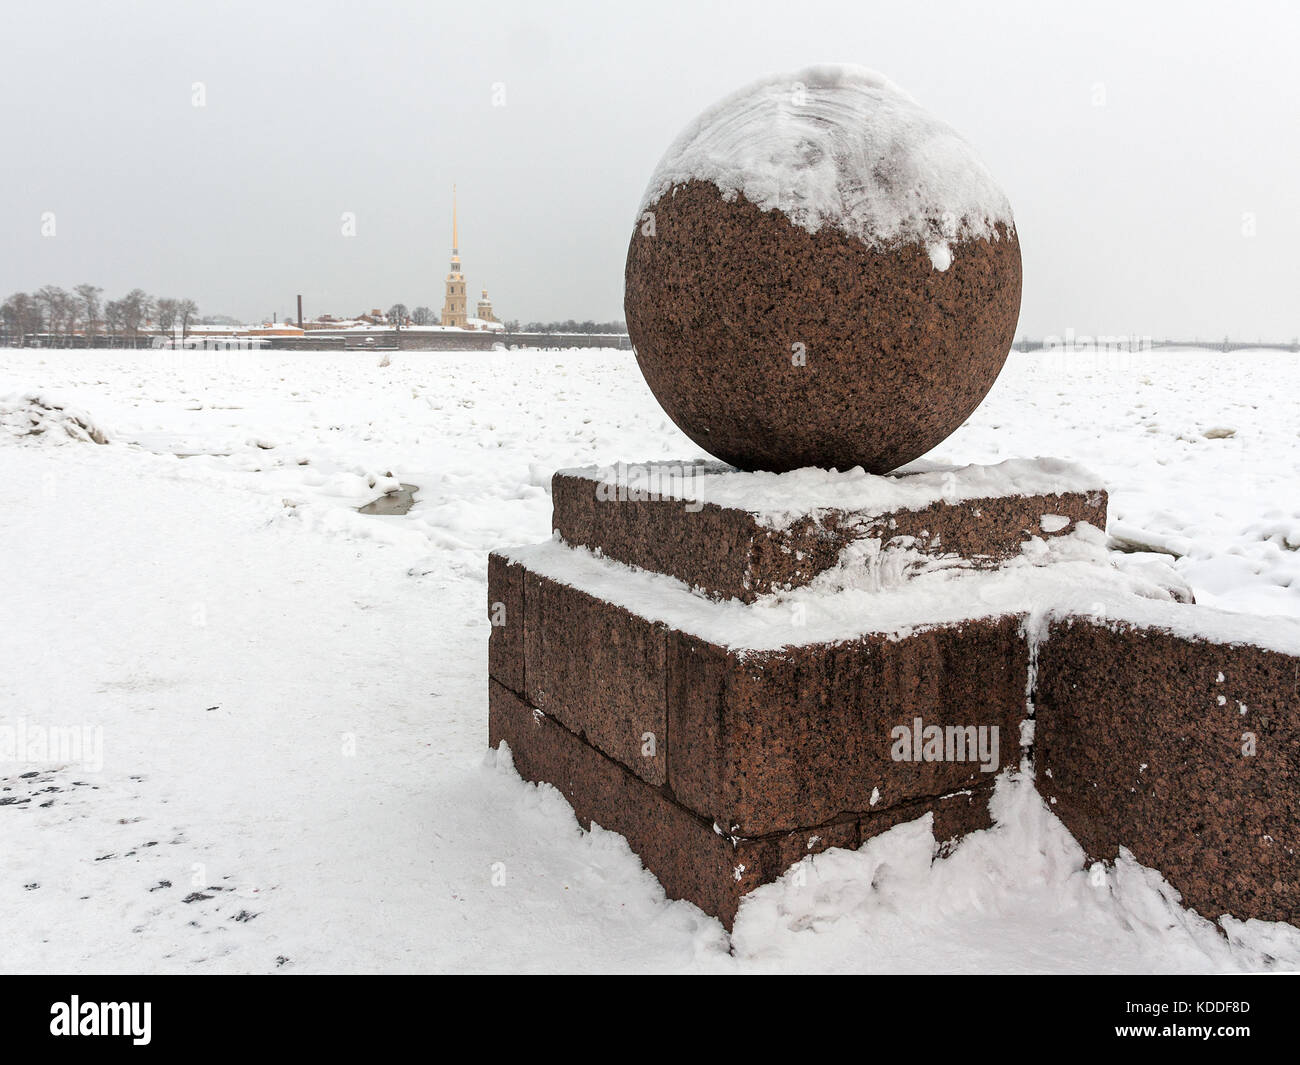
x,y
689,855
772,740
723,767
1168,729
691,520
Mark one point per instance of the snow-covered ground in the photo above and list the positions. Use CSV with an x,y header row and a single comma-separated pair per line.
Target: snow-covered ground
x,y
284,701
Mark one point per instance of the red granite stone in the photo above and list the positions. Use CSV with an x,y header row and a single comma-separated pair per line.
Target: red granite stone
x,y
958,815
1140,744
955,816
710,547
789,848
506,617
727,552
598,669
763,741
722,300
689,855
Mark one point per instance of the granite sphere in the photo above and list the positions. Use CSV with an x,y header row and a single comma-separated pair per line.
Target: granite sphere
x,y
821,273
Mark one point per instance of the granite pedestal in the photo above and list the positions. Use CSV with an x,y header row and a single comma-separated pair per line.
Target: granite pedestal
x,y
724,764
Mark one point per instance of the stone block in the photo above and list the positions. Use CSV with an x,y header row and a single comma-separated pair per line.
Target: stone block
x,y
506,616
728,552
689,855
768,740
1183,750
958,815
599,670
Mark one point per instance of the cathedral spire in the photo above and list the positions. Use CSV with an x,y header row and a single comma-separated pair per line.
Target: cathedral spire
x,y
454,312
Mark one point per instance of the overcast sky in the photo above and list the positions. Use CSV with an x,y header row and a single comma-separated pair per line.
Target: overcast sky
x,y
1137,146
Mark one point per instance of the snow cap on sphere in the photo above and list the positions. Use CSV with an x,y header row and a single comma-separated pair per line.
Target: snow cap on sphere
x,y
842,146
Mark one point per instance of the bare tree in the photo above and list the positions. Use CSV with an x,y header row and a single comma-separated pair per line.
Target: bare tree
x,y
21,316
89,295
397,314
422,316
46,299
9,317
69,310
137,307
186,310
32,319
165,310
114,319
53,303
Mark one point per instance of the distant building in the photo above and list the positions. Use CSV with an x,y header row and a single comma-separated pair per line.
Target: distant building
x,y
453,307
281,329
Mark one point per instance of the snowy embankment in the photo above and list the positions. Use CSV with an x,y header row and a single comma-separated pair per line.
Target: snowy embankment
x,y
280,704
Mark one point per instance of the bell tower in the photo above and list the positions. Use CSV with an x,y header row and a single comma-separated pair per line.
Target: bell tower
x,y
453,306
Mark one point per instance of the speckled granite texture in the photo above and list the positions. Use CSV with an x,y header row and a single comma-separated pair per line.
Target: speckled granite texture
x,y
599,670
724,301
1142,741
770,741
727,553
791,737
690,857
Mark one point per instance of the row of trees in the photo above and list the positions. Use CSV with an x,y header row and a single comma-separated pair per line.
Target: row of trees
x,y
55,317
52,316
398,314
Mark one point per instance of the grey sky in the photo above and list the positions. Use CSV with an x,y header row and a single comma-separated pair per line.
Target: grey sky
x,y
1131,144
